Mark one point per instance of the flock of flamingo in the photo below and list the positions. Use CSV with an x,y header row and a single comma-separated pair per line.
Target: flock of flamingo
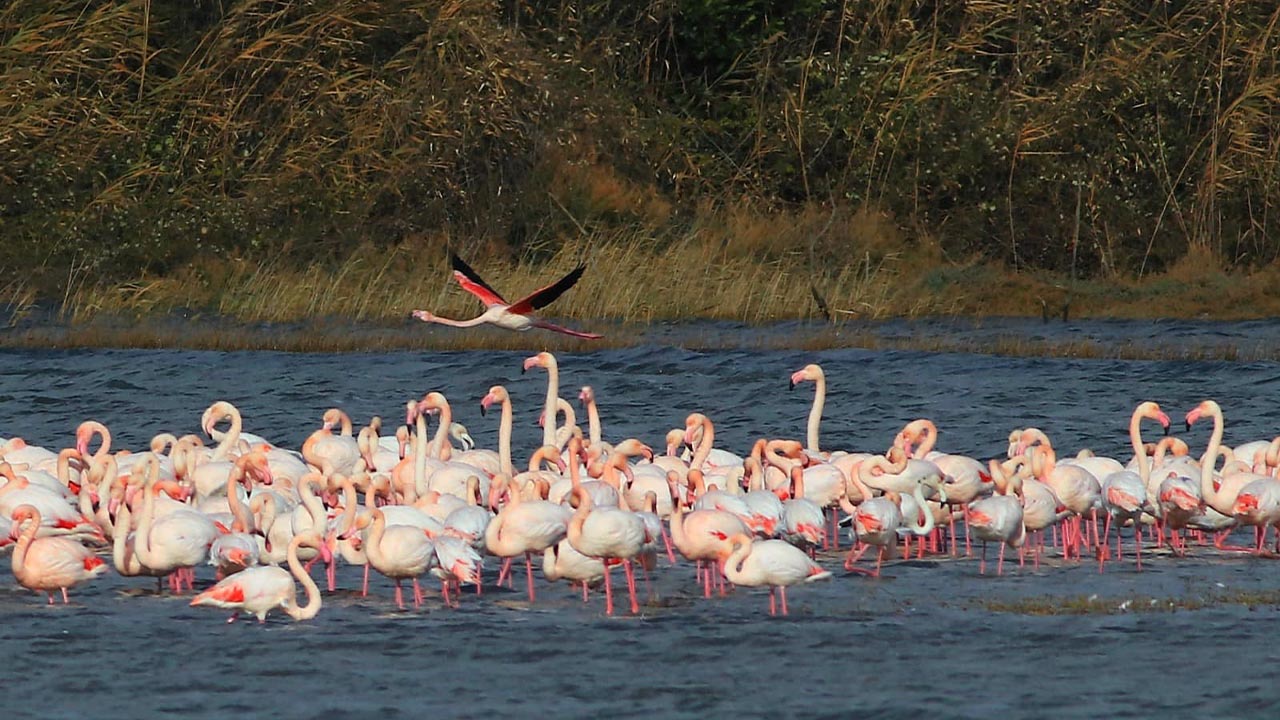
x,y
412,505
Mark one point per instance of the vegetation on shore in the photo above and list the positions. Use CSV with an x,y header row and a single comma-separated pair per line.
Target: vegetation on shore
x,y
274,160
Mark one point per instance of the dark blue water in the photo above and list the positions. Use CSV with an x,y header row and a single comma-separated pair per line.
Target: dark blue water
x,y
921,639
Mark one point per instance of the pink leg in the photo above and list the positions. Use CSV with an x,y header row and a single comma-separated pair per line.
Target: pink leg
x,y
505,572
968,547
418,598
982,564
364,588
666,540
773,606
399,595
1137,541
584,591
954,548
528,569
444,592
855,554
608,591
331,572
233,617
783,592
1000,563
631,585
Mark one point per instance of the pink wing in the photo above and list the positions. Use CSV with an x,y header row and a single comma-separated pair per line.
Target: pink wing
x,y
472,283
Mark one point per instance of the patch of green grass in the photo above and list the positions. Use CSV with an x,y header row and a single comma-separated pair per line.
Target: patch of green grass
x,y
1096,605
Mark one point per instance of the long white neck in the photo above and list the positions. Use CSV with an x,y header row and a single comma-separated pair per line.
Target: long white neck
x,y
733,564
815,412
230,439
504,439
1139,449
419,453
441,440
1210,458
593,421
914,523
704,445
550,408
312,608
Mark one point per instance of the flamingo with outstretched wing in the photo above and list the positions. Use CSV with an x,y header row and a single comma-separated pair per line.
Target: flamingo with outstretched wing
x,y
511,316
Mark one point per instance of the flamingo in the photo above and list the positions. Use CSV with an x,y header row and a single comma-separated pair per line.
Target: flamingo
x,y
607,533
692,534
522,527
498,394
587,396
997,518
399,552
1124,493
456,563
49,563
261,589
1219,492
509,316
175,542
877,519
813,373
773,563
562,562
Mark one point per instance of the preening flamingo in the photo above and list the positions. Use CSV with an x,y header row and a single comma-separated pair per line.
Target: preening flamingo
x,y
510,316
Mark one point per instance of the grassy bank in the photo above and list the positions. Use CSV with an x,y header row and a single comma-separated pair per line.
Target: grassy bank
x,y
148,144
630,292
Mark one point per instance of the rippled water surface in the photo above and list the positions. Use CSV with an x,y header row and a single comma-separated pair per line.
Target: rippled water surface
x,y
921,639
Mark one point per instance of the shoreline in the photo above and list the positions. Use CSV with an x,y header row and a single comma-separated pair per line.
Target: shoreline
x,y
1004,336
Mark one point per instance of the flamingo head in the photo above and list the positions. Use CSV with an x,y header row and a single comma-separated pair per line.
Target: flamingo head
x,y
496,394
543,360
20,514
632,447
432,403
1204,408
693,427
214,414
586,395
422,315
1152,411
809,372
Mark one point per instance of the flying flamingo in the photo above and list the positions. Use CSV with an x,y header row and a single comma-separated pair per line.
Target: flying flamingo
x,y
49,563
262,588
510,316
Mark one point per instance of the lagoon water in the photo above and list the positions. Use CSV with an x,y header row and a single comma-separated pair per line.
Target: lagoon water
x,y
929,638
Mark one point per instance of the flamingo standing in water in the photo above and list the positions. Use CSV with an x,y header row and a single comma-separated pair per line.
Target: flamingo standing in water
x,y
774,563
49,563
607,533
260,589
510,316
1124,493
